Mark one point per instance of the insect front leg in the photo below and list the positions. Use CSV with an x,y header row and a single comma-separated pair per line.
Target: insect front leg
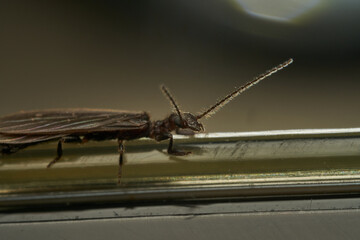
x,y
59,150
173,151
121,150
185,132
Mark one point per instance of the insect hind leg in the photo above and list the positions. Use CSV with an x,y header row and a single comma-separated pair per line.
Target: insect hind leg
x,y
6,149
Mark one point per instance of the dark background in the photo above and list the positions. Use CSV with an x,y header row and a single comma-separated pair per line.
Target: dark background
x,y
115,54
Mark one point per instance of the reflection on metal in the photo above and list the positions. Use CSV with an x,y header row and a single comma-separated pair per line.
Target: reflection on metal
x,y
289,162
279,10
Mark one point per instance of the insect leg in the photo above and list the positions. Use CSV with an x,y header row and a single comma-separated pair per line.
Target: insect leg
x,y
11,148
59,147
59,153
185,132
121,150
175,151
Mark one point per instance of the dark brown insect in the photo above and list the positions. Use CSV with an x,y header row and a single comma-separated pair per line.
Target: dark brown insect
x,y
23,129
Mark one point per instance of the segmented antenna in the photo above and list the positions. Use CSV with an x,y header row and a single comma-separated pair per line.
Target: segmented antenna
x,y
172,100
213,109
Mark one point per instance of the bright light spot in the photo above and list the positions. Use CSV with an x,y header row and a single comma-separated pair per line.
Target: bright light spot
x,y
280,10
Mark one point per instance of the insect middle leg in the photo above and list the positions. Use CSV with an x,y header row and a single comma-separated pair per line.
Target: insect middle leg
x,y
121,150
59,150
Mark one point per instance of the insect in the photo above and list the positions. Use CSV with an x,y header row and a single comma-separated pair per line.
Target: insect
x,y
23,129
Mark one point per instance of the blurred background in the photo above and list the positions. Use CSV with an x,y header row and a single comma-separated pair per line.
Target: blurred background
x,y
115,54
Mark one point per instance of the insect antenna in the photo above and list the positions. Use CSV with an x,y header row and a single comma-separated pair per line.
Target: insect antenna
x,y
213,109
172,100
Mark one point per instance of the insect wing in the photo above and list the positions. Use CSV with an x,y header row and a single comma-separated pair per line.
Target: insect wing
x,y
27,139
68,121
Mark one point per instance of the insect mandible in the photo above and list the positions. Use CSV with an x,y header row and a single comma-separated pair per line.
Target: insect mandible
x,y
23,129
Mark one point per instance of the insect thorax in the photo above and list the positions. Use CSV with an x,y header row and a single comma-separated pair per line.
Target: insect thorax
x,y
161,129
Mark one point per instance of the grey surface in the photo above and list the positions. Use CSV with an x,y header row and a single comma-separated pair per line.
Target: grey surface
x,y
184,208
286,225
